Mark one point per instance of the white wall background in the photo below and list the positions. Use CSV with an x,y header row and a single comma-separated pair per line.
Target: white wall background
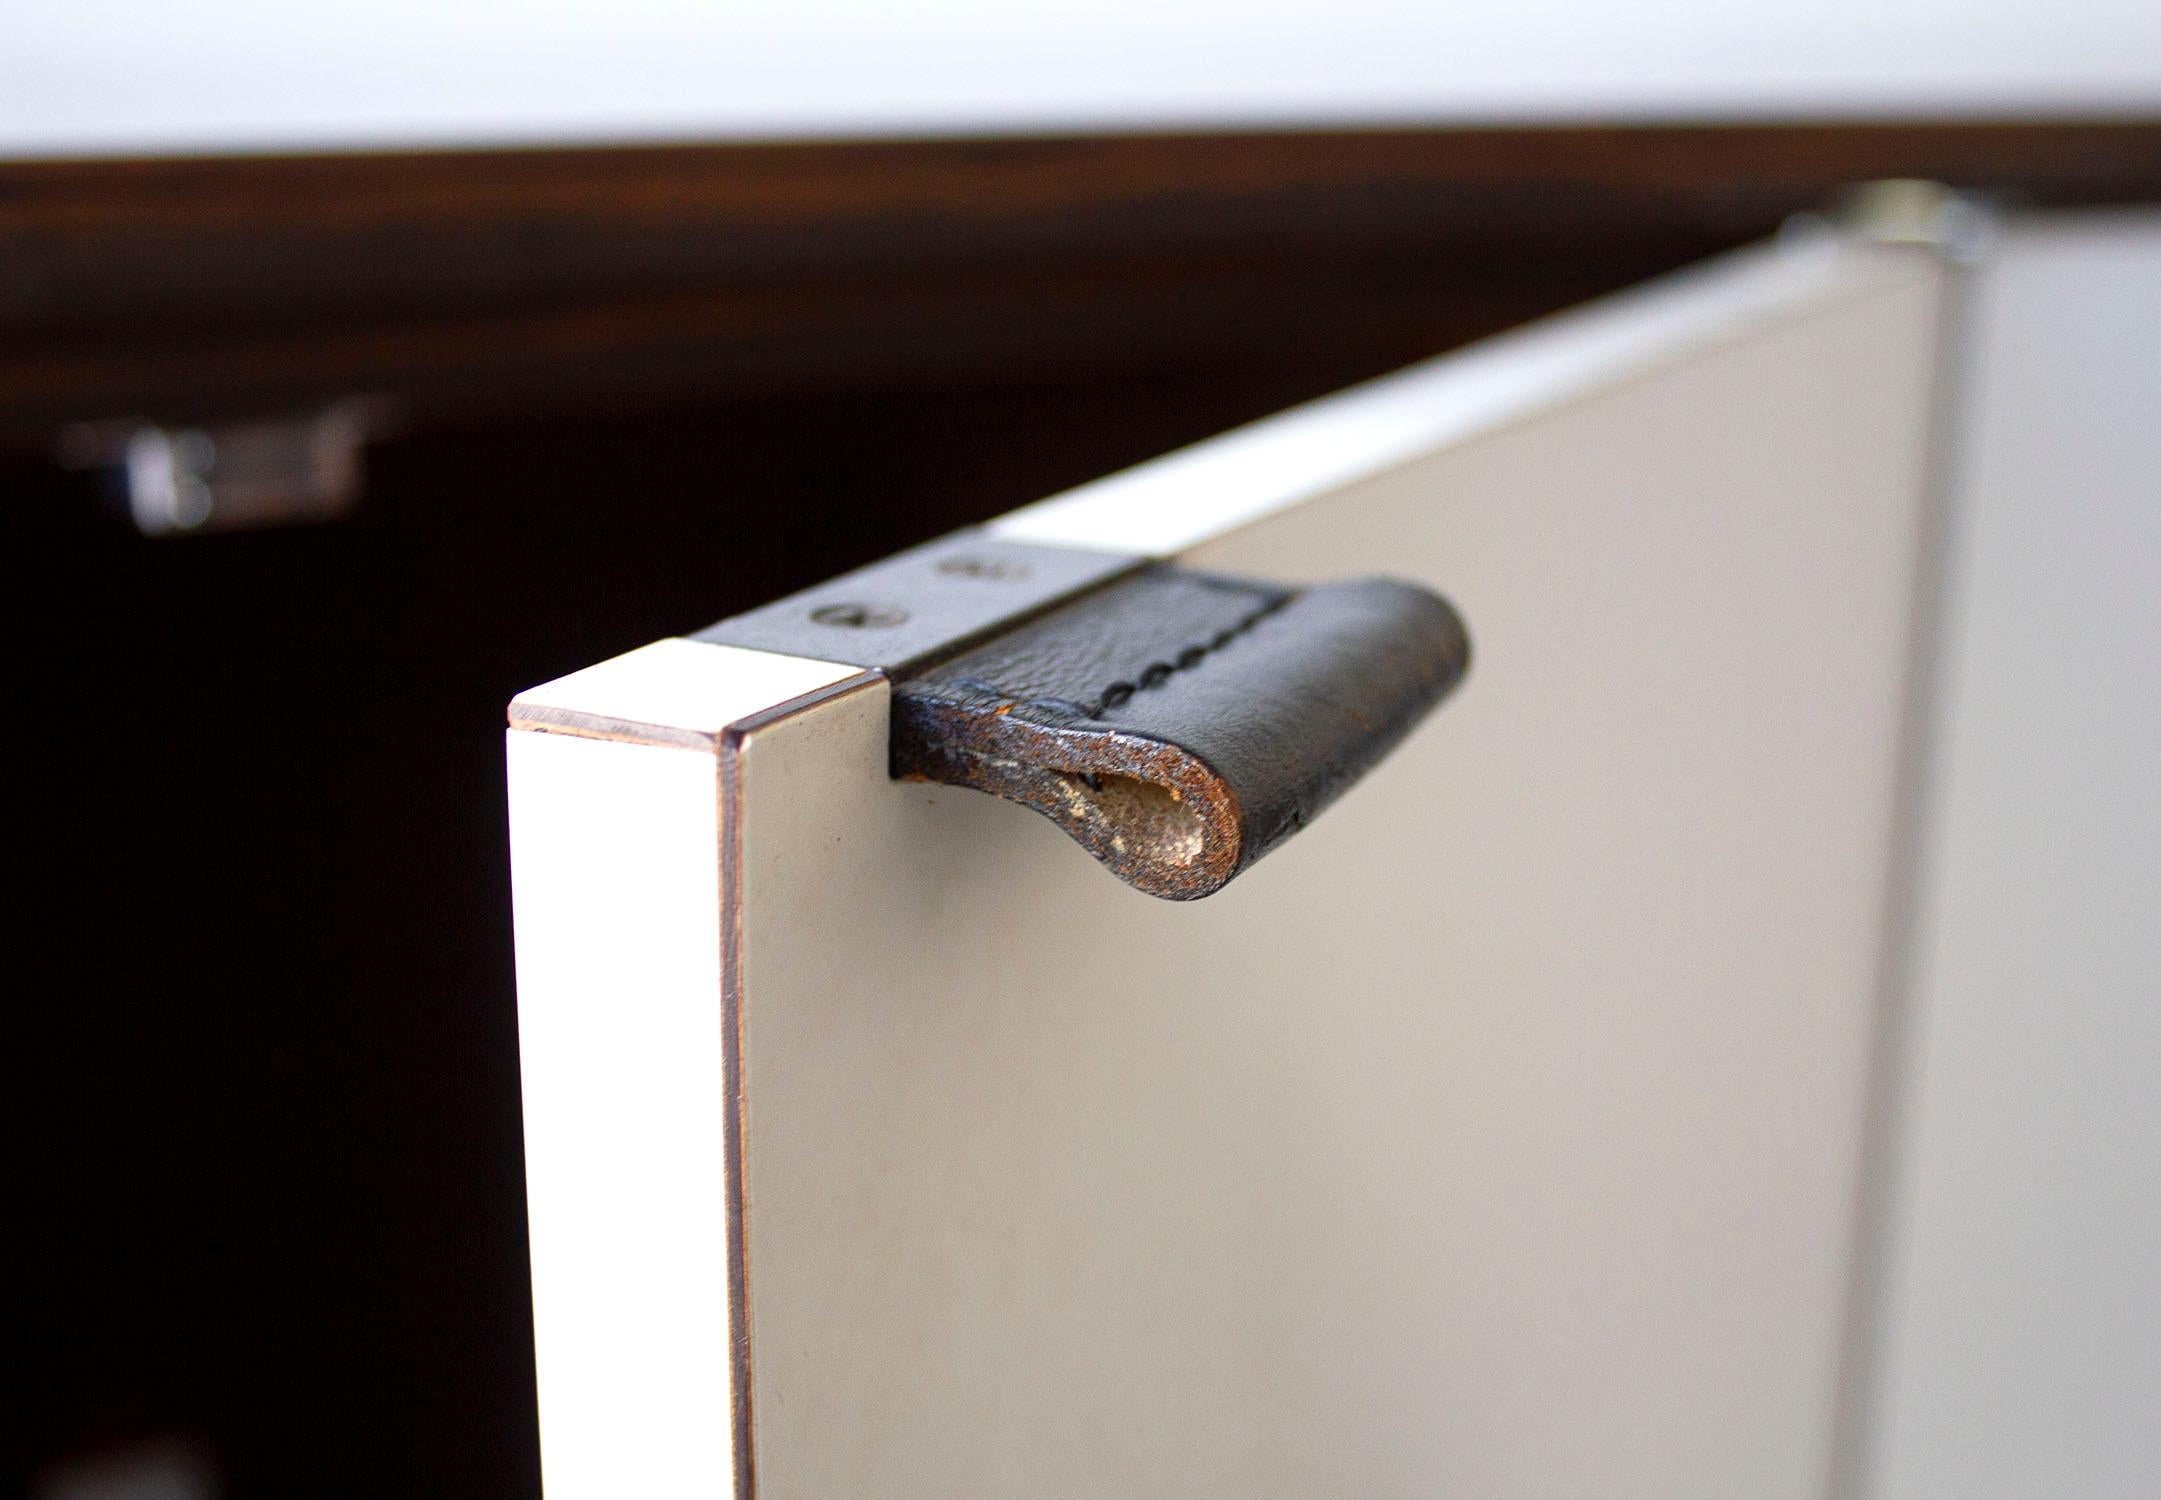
x,y
114,76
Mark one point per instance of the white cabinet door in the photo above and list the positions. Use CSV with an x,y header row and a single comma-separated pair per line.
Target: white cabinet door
x,y
1501,1135
2021,1324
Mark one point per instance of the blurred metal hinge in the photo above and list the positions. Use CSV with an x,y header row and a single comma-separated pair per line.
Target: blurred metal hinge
x,y
172,480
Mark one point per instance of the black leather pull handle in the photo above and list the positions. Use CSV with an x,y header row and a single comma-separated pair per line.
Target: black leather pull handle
x,y
1178,724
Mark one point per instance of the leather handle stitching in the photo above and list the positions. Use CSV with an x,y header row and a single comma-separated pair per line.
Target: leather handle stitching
x,y
1155,674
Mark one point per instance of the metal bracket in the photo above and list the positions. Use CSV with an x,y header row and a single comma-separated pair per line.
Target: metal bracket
x,y
917,607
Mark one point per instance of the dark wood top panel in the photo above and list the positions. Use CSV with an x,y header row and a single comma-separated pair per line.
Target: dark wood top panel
x,y
457,280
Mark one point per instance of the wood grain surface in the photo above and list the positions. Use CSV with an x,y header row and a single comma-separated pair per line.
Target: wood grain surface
x,y
497,283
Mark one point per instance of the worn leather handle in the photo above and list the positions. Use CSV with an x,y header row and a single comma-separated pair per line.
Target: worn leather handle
x,y
1181,724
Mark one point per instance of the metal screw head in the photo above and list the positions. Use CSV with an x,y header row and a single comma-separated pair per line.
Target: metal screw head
x,y
859,616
